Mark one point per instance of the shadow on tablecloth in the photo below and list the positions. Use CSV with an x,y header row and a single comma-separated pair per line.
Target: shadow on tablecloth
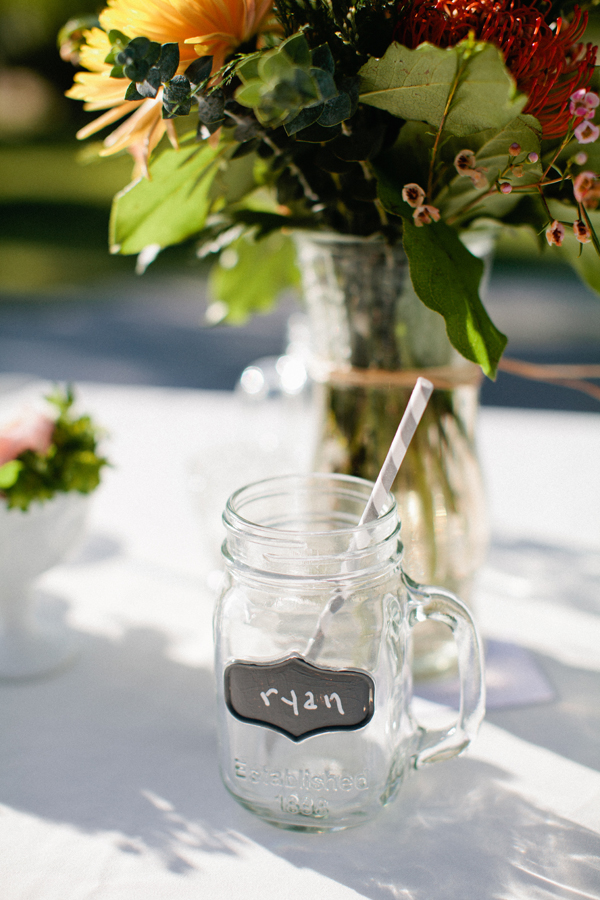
x,y
125,743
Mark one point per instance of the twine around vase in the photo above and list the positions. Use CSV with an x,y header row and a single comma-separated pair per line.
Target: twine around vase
x,y
444,378
569,376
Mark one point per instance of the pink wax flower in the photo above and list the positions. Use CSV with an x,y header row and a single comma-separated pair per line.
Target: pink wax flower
x,y
505,187
478,178
425,215
464,163
582,232
33,431
413,194
587,132
555,233
586,189
583,103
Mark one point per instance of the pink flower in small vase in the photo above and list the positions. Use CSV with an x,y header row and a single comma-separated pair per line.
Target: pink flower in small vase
x,y
425,215
555,233
33,431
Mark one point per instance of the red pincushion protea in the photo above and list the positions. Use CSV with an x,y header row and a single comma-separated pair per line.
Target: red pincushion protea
x,y
547,61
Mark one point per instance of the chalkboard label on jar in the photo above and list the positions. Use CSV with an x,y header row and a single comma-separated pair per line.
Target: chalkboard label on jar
x,y
299,698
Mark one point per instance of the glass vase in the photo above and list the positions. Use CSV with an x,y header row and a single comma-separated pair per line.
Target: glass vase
x,y
371,338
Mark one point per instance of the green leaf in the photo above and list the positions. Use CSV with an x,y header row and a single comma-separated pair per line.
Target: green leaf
x,y
132,92
250,93
118,42
247,69
9,473
169,61
322,58
117,37
306,87
303,119
415,85
251,274
199,70
149,87
275,66
169,207
233,182
135,49
335,111
297,49
446,279
325,83
136,70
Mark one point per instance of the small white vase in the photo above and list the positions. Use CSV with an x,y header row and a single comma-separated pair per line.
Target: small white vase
x,y
31,542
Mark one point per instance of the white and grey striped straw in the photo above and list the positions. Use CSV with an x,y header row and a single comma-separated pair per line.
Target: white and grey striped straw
x,y
408,425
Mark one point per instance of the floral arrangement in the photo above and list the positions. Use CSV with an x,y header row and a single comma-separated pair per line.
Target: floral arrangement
x,y
410,120
42,455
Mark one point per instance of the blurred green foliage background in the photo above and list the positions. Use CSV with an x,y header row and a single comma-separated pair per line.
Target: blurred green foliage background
x,y
54,194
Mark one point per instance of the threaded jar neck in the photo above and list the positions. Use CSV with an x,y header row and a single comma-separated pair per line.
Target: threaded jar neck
x,y
307,526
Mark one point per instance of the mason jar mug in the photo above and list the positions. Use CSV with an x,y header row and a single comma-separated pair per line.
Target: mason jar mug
x,y
313,655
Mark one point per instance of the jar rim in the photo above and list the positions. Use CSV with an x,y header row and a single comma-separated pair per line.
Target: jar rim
x,y
358,488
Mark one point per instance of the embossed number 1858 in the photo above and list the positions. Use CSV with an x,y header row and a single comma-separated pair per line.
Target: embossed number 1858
x,y
292,804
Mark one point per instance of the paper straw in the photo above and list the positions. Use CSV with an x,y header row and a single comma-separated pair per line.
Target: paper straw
x,y
408,425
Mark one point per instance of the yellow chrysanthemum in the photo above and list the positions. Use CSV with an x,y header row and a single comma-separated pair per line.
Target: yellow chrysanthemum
x,y
144,127
200,27
96,87
212,27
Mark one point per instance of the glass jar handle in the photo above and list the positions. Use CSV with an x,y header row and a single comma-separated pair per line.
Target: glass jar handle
x,y
443,606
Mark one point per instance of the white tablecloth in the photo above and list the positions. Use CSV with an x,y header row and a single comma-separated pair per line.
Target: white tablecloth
x,y
109,788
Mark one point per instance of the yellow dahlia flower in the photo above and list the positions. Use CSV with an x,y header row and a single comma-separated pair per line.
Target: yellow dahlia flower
x,y
200,27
